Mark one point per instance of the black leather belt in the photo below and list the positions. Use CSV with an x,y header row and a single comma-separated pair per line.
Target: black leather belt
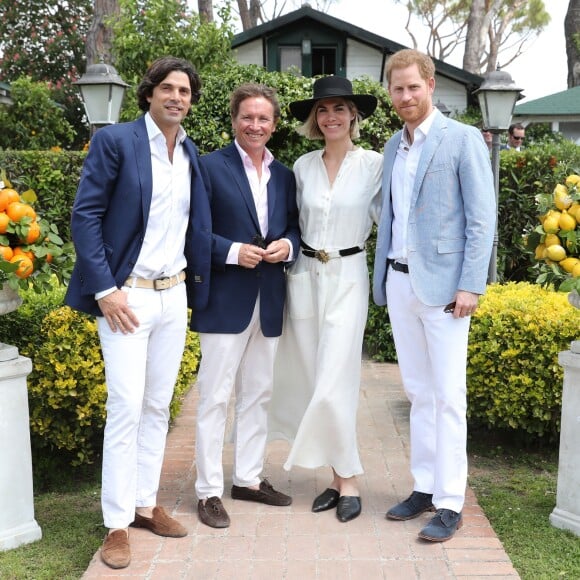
x,y
323,255
398,266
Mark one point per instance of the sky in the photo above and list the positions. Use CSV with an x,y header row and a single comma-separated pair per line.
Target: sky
x,y
540,71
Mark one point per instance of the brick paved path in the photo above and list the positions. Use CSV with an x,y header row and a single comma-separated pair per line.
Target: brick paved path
x,y
291,543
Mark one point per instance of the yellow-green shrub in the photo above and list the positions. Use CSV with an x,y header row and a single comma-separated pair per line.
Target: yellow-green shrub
x,y
514,381
67,390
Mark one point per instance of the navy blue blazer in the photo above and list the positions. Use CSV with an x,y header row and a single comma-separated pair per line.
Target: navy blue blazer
x,y
234,289
110,214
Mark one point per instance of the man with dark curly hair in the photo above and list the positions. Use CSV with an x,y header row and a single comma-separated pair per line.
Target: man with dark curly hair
x,y
141,224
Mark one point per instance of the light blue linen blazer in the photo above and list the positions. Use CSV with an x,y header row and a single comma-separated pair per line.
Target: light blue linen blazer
x,y
452,217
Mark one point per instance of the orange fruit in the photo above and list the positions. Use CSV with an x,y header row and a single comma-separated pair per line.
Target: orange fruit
x,y
48,258
6,253
17,210
4,221
18,251
7,196
33,233
25,265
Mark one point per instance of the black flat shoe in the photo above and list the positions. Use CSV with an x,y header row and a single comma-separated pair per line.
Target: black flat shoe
x,y
327,500
348,508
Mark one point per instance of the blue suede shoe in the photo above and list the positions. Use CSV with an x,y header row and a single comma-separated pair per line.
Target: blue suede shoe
x,y
442,526
413,506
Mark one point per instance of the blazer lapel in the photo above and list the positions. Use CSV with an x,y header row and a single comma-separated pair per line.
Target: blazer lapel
x,y
234,162
273,187
143,162
438,128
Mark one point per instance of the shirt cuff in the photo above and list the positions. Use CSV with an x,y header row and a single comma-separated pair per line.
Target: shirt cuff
x,y
233,254
104,293
290,257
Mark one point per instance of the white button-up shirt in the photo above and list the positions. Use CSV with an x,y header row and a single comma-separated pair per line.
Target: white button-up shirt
x,y
402,183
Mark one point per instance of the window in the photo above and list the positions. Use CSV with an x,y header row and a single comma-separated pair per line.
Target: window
x,y
290,56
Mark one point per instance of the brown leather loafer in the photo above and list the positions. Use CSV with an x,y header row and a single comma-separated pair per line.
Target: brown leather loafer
x,y
266,494
160,524
213,513
115,551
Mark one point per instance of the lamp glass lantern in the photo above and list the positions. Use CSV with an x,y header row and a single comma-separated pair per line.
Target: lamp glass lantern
x,y
102,90
497,98
306,47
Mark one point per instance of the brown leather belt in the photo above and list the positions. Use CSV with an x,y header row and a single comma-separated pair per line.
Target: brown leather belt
x,y
159,284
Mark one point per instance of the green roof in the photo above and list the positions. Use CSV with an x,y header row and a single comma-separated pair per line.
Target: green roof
x,y
562,103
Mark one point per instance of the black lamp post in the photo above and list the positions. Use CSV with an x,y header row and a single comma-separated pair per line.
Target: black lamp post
x,y
102,90
497,98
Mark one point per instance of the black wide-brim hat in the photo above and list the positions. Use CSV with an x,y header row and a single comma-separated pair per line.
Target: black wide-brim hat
x,y
332,87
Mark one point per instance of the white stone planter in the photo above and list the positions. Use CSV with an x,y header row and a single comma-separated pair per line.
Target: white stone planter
x,y
17,523
566,514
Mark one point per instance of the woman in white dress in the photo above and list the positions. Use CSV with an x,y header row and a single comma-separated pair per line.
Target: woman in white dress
x,y
318,364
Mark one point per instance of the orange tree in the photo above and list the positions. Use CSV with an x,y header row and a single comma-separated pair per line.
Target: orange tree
x,y
31,250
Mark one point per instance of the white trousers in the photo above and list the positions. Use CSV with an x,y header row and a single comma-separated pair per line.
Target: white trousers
x,y
245,360
140,369
432,354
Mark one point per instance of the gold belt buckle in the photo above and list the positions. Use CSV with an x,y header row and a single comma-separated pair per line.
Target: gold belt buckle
x,y
322,256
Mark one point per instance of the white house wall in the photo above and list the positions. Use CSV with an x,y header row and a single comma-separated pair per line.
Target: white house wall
x,y
362,60
250,53
452,94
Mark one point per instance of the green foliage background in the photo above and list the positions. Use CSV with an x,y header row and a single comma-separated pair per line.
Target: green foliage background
x,y
35,121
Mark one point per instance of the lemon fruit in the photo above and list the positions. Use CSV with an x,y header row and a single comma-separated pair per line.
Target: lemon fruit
x,y
566,222
568,264
576,271
561,198
551,239
556,253
539,253
572,180
551,224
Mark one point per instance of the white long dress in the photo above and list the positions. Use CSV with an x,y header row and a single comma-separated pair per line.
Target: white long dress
x,y
318,363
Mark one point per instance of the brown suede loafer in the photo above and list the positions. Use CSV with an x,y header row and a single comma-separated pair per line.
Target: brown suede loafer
x,y
266,494
160,524
213,513
115,551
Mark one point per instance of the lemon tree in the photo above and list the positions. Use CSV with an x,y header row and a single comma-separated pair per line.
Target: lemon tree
x,y
556,241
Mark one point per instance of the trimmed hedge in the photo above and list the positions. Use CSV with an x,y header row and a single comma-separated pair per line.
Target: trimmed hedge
x,y
514,380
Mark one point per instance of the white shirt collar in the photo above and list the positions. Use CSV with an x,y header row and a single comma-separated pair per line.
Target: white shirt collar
x,y
266,159
153,130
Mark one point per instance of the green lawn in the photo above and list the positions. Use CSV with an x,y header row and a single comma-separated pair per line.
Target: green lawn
x,y
517,491
72,531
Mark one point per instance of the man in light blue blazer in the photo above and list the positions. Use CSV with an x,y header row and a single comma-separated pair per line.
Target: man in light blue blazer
x,y
141,225
433,249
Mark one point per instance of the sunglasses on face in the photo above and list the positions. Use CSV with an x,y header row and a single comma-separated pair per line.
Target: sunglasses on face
x,y
517,138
